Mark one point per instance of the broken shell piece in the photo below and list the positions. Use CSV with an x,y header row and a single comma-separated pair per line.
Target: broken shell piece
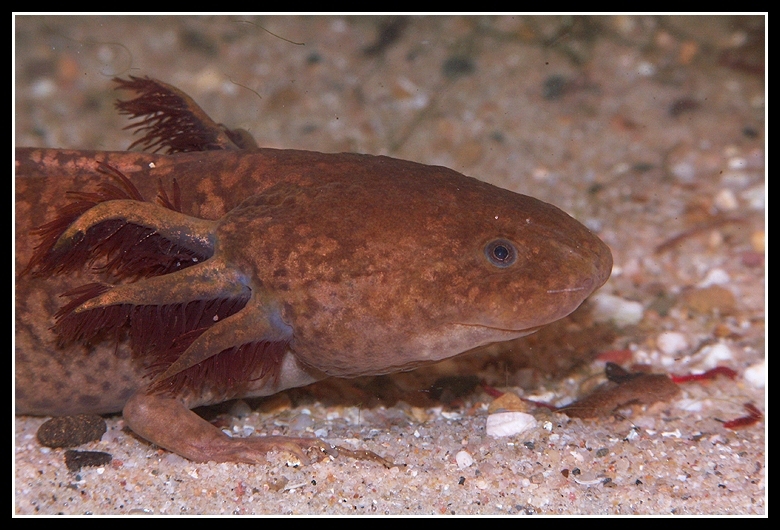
x,y
509,423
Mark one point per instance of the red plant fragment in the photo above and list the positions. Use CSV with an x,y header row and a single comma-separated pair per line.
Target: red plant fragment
x,y
491,391
709,374
753,417
615,356
540,404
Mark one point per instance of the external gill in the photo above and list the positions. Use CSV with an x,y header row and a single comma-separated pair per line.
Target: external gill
x,y
137,238
185,231
248,335
156,311
185,312
199,326
170,121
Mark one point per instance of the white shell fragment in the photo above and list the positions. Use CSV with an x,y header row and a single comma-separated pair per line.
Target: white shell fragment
x,y
509,423
756,375
716,354
671,342
463,459
621,312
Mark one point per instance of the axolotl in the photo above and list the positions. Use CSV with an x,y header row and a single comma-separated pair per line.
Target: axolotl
x,y
205,268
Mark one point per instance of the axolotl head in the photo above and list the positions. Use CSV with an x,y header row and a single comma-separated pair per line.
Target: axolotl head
x,y
387,264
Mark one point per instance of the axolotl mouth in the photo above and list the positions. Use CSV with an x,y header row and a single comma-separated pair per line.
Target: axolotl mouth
x,y
440,343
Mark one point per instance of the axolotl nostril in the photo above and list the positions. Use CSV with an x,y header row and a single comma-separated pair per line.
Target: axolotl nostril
x,y
257,270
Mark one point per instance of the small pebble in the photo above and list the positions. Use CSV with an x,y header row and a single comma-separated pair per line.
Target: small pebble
x,y
716,355
463,459
75,460
758,241
509,423
755,197
301,422
726,201
455,67
709,299
671,342
508,402
756,374
71,431
715,277
618,310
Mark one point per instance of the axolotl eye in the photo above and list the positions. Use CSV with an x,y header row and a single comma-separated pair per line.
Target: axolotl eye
x,y
501,253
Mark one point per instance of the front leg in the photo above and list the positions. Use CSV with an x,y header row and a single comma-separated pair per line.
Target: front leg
x,y
166,422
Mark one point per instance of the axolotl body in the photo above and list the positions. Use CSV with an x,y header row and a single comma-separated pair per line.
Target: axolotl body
x,y
257,270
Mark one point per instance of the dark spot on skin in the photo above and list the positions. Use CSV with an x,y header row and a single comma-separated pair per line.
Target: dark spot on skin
x,y
200,198
127,393
317,335
44,403
88,401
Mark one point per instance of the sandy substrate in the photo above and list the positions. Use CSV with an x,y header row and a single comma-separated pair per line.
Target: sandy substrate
x,y
650,130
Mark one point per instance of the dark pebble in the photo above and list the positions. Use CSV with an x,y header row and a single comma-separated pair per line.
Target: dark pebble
x,y
75,460
71,431
455,67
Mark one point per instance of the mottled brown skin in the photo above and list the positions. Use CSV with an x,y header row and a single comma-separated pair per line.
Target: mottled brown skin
x,y
361,264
